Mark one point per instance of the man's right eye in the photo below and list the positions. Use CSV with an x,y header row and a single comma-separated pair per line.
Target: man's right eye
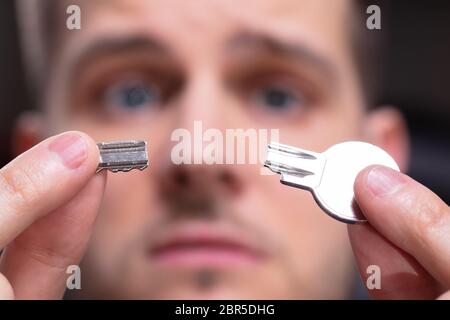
x,y
131,96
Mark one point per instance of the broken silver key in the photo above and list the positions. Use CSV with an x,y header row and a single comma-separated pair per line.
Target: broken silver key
x,y
329,175
122,156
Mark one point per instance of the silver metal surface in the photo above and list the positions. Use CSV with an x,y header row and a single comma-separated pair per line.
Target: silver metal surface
x,y
123,156
329,175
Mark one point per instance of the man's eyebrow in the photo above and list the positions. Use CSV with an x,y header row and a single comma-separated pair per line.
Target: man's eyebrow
x,y
284,49
116,45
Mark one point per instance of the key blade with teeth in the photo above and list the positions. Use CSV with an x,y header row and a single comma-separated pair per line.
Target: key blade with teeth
x,y
329,175
122,156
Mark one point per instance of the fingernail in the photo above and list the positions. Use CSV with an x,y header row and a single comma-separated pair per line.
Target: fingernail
x,y
71,148
383,181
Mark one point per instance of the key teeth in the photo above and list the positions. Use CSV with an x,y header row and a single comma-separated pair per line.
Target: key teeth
x,y
124,169
143,167
115,170
128,169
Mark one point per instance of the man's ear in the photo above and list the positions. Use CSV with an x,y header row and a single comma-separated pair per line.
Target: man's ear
x,y
27,132
386,128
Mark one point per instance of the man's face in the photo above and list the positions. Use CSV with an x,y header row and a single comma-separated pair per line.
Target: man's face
x,y
140,70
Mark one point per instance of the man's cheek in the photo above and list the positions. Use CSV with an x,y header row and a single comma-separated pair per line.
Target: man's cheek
x,y
119,224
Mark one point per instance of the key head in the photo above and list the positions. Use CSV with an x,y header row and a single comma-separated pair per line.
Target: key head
x,y
344,161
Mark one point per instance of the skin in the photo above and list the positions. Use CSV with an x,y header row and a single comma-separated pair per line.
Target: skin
x,y
204,71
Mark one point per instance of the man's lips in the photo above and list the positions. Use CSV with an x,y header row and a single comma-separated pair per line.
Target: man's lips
x,y
204,246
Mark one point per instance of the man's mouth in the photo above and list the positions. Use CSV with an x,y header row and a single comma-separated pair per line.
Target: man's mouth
x,y
203,246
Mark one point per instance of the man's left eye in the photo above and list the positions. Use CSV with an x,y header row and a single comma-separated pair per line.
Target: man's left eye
x,y
131,95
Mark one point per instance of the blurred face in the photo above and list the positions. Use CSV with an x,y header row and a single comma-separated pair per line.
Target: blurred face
x,y
140,70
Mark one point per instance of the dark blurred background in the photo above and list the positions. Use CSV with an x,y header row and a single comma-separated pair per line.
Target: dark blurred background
x,y
416,79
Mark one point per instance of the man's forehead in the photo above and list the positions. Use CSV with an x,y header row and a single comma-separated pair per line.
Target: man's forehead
x,y
301,10
319,23
306,24
266,4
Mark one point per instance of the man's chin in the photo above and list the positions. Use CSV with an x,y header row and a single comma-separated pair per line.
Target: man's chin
x,y
216,287
217,293
199,284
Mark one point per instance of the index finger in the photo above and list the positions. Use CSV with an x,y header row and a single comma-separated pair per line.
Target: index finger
x,y
43,179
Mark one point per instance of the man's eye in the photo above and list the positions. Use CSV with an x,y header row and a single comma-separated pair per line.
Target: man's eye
x,y
277,99
131,95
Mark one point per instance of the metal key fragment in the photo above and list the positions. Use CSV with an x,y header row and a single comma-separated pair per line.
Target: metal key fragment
x,y
329,175
122,156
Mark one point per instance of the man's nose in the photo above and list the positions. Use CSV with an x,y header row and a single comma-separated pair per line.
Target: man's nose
x,y
200,179
200,191
204,105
